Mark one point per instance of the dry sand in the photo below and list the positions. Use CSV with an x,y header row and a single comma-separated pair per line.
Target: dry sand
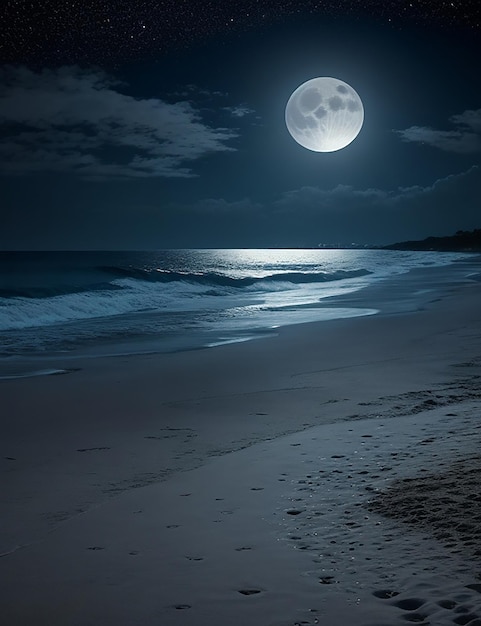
x,y
325,476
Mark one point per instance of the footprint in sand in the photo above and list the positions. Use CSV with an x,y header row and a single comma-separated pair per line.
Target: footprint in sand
x,y
249,592
447,604
471,619
327,580
409,604
417,618
385,594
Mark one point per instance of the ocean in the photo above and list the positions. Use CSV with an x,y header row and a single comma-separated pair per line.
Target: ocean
x,y
100,303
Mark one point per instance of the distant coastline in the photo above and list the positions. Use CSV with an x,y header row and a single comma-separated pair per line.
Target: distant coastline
x,y
462,241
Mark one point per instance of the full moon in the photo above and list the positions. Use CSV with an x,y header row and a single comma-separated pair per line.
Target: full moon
x,y
324,114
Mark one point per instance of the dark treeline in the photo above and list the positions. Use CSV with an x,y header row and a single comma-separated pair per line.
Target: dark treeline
x,y
462,241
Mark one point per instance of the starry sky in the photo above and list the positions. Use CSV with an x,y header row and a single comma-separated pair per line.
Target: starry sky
x,y
149,124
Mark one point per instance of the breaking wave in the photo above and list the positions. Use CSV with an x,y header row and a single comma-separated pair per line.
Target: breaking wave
x,y
133,290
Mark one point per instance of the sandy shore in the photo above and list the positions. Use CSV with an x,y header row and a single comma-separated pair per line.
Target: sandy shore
x,y
259,483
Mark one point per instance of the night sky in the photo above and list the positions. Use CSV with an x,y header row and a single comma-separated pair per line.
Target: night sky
x,y
149,124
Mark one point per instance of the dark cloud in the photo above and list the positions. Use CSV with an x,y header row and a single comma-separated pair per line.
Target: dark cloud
x,y
448,140
79,121
220,206
194,93
306,216
344,214
469,119
344,197
465,138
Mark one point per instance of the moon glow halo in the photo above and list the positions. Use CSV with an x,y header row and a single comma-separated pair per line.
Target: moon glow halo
x,y
324,114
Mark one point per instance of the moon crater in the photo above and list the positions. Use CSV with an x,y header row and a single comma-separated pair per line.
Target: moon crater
x,y
336,103
320,113
354,106
310,99
324,114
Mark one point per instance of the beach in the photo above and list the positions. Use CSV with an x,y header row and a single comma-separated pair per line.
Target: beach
x,y
301,478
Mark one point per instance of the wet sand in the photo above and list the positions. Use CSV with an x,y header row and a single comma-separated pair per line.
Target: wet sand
x,y
261,483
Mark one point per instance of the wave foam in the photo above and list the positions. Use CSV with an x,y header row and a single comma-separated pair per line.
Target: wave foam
x,y
152,291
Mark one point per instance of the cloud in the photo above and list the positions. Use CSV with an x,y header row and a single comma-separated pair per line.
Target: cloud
x,y
344,199
464,139
341,198
302,217
471,119
221,206
78,121
345,214
444,193
450,141
239,111
193,92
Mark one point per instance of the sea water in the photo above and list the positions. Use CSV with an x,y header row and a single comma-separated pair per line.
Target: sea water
x,y
93,303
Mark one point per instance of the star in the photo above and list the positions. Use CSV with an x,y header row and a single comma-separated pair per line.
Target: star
x,y
95,31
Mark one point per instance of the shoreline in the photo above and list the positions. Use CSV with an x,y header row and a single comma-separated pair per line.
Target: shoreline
x,y
399,293
82,452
